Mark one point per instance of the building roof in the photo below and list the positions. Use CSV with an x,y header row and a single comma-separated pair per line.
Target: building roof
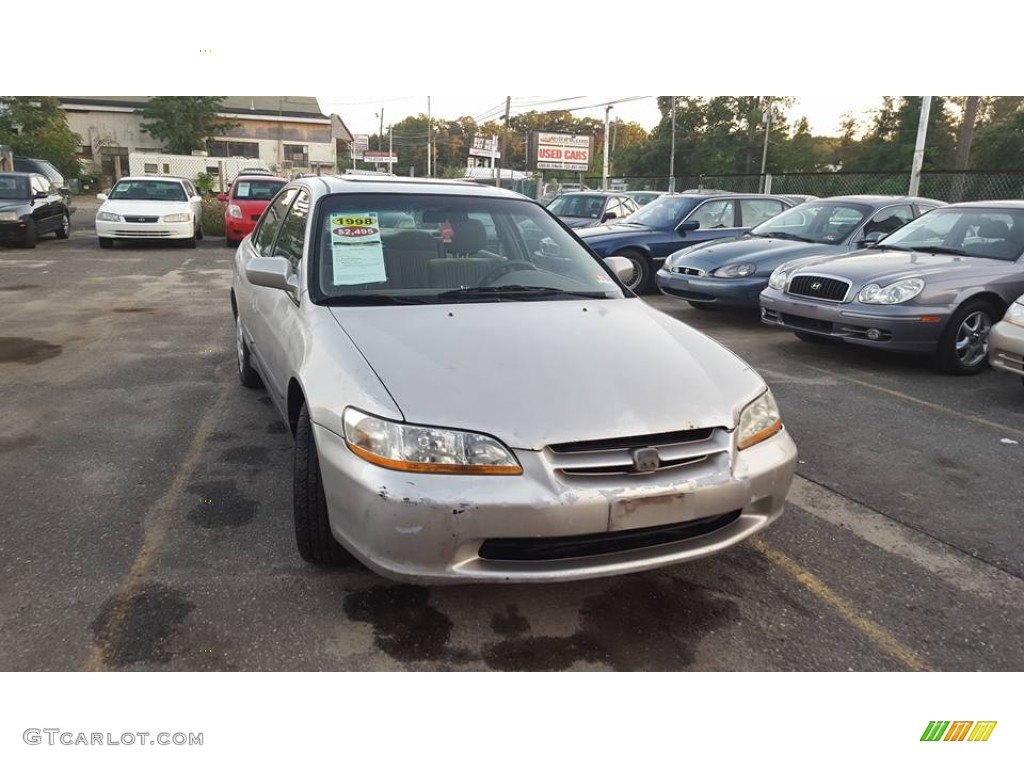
x,y
277,106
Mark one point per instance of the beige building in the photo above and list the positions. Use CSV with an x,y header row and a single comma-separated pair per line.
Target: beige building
x,y
286,134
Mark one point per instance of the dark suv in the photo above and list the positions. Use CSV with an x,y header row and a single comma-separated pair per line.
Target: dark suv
x,y
49,170
30,205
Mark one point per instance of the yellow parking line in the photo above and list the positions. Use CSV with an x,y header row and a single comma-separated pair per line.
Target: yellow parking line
x,y
158,519
918,401
875,632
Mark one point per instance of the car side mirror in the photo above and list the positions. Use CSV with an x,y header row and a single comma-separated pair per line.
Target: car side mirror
x,y
101,196
609,215
871,239
196,199
272,272
40,195
223,197
621,266
688,226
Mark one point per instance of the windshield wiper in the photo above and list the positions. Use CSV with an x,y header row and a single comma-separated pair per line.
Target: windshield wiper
x,y
787,236
939,249
368,299
514,293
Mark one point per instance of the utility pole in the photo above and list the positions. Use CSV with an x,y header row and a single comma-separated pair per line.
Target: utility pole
x,y
429,152
766,118
504,138
604,173
922,130
380,133
672,157
391,166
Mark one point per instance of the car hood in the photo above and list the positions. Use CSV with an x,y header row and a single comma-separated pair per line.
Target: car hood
x,y
13,205
538,373
872,265
766,251
144,207
611,231
579,222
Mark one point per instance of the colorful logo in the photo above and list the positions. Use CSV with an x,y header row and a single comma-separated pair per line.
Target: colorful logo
x,y
958,730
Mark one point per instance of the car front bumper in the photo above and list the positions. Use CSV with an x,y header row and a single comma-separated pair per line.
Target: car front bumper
x,y
159,230
13,231
898,327
542,526
739,292
1006,347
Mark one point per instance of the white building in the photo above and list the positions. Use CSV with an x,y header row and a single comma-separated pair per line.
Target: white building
x,y
287,134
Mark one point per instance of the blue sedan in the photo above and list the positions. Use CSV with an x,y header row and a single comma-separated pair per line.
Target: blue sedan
x,y
732,273
671,222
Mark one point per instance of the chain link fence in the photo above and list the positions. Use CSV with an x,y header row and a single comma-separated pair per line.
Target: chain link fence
x,y
949,186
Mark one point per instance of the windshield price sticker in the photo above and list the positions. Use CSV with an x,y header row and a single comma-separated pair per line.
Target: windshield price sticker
x,y
356,249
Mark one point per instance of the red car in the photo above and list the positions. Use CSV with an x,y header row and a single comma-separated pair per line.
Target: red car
x,y
248,197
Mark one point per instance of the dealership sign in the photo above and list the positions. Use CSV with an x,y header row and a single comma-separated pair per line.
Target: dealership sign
x,y
379,157
485,146
360,143
560,151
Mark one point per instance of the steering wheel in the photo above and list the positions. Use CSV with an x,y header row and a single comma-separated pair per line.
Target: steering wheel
x,y
503,269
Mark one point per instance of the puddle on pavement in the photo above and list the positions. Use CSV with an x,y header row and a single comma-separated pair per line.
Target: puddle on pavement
x,y
18,349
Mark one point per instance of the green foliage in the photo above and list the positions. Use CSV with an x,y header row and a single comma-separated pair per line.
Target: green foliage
x,y
205,183
36,126
212,217
184,123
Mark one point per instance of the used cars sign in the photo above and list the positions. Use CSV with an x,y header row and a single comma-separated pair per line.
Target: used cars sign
x,y
560,151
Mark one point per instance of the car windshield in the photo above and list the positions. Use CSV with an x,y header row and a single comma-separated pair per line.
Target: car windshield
x,y
815,222
446,249
990,233
581,206
148,190
663,213
256,190
13,187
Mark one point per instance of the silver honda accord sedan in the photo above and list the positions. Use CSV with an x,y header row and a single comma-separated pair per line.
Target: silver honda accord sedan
x,y
474,396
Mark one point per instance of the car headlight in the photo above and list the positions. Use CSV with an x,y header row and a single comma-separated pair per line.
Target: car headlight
x,y
744,269
104,216
173,218
234,212
894,293
778,279
410,448
8,216
759,421
1015,314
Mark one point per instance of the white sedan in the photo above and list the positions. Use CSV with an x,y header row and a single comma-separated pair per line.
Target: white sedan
x,y
150,208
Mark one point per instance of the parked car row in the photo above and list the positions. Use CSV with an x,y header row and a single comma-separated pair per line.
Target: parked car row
x,y
904,274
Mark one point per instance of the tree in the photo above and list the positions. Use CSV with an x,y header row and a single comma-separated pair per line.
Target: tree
x,y
183,123
37,126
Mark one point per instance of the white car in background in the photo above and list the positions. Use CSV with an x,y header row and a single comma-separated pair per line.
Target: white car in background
x,y
150,208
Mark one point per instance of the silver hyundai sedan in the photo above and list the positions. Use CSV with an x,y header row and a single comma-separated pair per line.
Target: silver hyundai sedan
x,y
473,396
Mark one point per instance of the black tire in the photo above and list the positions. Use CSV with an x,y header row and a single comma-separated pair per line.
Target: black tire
x,y
701,305
231,243
313,534
641,282
812,338
64,230
106,242
190,243
963,348
28,240
199,233
246,373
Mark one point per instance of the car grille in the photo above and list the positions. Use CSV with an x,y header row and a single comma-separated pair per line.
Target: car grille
x,y
618,456
688,271
142,219
808,323
142,233
255,216
821,288
590,545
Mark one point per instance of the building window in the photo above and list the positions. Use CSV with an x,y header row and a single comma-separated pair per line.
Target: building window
x,y
296,153
149,168
221,148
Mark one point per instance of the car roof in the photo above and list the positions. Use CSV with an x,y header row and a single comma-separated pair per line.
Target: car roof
x,y
874,199
1018,204
259,177
407,185
152,178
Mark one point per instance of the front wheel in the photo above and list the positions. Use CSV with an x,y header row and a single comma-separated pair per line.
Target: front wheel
x,y
64,231
313,534
640,280
28,239
106,242
963,348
